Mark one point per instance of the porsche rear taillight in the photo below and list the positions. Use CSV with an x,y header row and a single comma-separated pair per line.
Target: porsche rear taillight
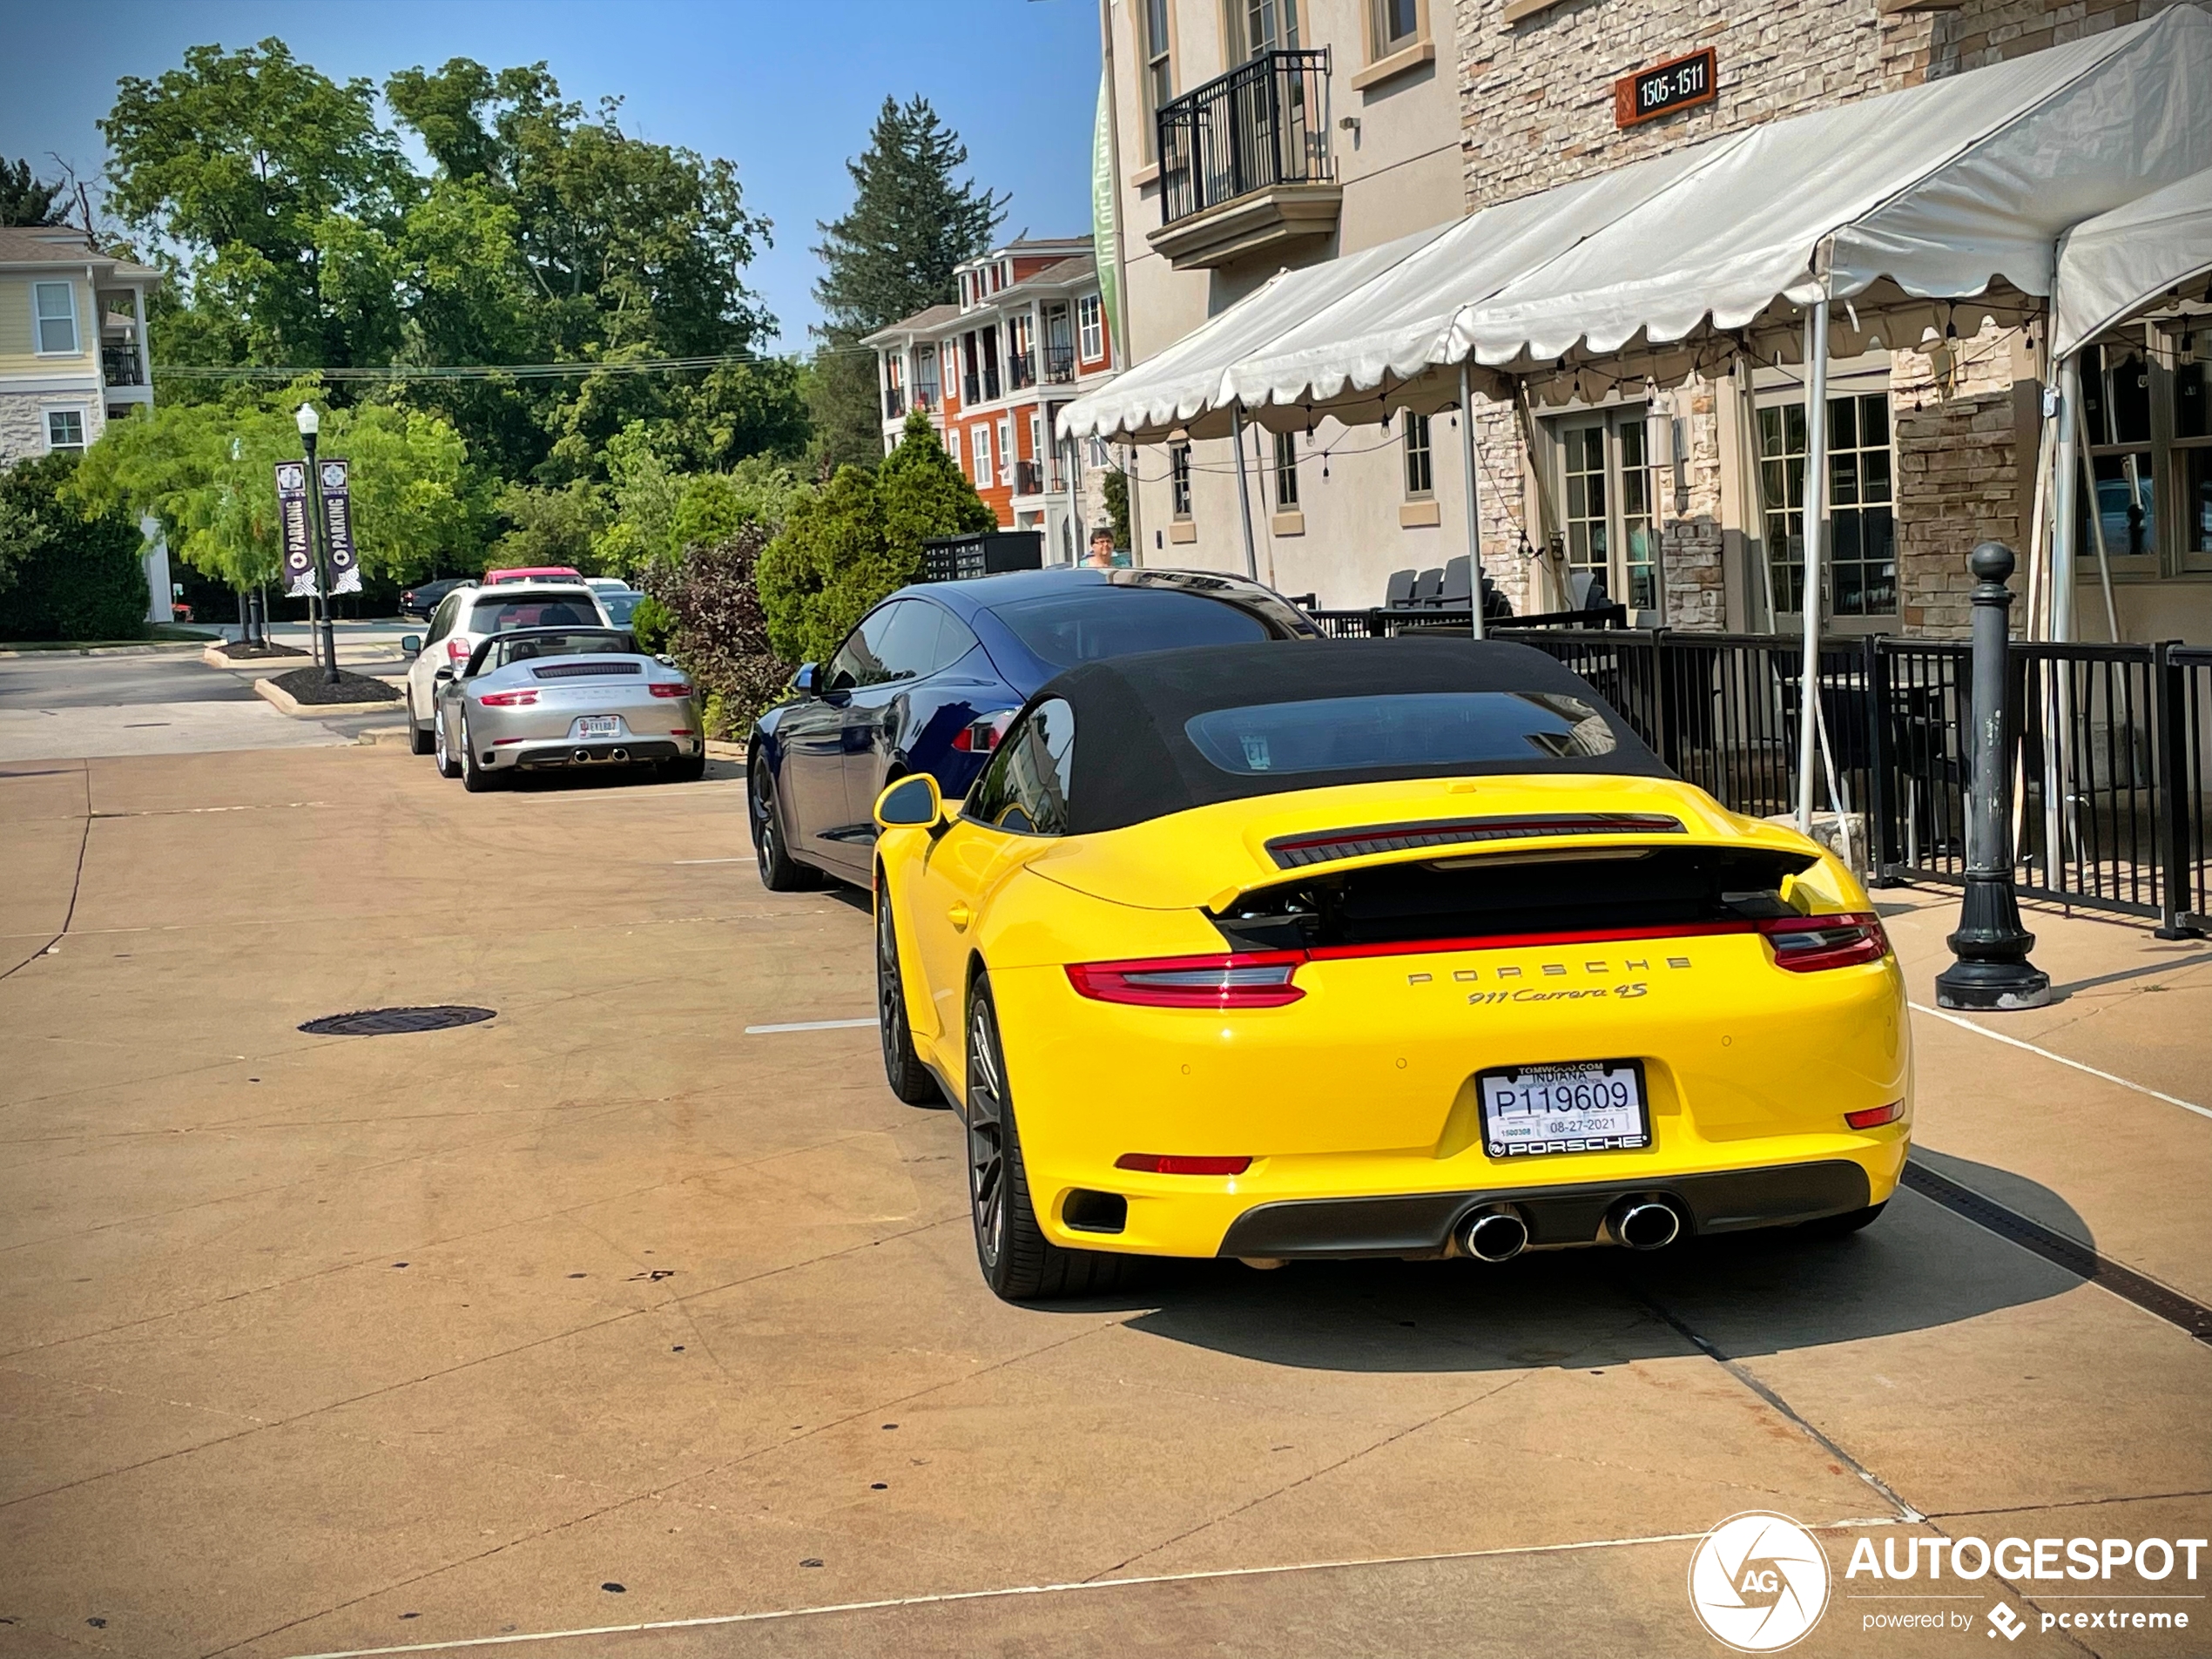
x,y
508,700
981,736
1232,980
670,688
457,650
1808,944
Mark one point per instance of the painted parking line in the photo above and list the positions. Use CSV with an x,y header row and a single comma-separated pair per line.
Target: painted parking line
x,y
810,1025
1066,1588
1999,1036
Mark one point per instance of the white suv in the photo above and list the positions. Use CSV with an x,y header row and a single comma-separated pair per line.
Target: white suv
x,y
466,617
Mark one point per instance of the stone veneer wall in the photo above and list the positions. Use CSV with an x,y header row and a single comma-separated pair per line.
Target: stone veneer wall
x,y
23,420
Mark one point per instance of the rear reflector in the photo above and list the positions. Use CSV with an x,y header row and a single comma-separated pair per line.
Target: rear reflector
x,y
508,700
1874,1117
981,736
1167,1163
1807,944
1233,979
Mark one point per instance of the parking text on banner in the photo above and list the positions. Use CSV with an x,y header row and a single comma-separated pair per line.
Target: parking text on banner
x,y
292,515
338,527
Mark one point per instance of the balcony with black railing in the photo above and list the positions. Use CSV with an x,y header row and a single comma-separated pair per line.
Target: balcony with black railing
x,y
895,403
1020,369
1060,364
120,365
1246,162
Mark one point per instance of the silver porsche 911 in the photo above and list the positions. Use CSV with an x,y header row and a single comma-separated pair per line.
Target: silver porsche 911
x,y
538,699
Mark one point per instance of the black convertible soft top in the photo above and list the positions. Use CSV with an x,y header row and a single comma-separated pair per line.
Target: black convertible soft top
x,y
1134,760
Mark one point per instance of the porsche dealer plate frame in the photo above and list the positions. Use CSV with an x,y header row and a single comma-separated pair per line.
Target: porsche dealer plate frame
x,y
1564,1107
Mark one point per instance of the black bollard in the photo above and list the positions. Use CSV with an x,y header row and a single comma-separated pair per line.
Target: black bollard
x,y
1992,970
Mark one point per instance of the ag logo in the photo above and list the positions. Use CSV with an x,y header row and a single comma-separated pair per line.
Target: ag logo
x,y
1759,1581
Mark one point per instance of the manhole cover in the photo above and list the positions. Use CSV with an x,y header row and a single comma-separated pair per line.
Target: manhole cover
x,y
384,1022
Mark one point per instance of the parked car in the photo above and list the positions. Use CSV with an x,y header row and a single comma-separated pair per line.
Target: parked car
x,y
1404,948
557,697
423,598
532,573
618,602
606,584
465,618
930,678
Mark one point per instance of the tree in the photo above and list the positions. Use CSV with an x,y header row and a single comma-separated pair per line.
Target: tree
x,y
892,254
65,573
26,200
861,536
551,528
1116,490
281,192
719,630
206,471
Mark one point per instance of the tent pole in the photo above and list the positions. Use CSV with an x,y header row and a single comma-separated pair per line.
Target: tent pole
x,y
1244,492
2096,517
1815,500
1474,519
2066,473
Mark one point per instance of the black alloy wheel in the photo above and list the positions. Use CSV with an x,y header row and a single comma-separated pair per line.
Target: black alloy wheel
x,y
780,871
910,1079
1019,1263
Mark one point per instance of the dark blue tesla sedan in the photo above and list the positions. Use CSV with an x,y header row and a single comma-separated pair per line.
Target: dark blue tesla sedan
x,y
931,677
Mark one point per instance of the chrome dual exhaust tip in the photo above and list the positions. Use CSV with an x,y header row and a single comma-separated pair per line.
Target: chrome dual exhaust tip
x,y
583,755
1643,1224
619,754
1497,1234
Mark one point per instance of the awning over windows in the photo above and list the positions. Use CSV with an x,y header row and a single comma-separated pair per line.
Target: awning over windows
x,y
1901,208
2123,263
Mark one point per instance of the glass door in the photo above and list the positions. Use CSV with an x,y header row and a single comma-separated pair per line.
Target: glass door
x,y
1611,532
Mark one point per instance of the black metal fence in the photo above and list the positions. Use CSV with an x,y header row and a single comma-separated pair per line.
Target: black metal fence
x,y
1265,123
2110,746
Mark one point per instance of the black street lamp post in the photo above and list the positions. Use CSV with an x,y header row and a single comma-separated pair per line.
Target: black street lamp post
x,y
309,424
1992,970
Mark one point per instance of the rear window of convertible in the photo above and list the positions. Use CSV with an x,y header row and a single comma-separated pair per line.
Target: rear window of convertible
x,y
1413,728
1065,629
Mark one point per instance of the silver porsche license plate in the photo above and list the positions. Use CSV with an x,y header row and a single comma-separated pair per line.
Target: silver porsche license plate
x,y
598,725
1580,1106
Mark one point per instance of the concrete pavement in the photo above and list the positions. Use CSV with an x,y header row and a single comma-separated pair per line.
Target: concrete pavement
x,y
603,1314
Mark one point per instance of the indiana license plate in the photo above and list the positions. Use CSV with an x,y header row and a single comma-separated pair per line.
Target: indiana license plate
x,y
598,725
1580,1106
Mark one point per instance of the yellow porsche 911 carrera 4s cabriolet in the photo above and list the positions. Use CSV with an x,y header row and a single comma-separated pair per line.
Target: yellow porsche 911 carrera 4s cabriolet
x,y
1391,947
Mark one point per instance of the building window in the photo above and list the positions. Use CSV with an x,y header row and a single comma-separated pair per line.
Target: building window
x,y
1098,455
981,440
2144,405
1420,479
55,306
952,443
1179,479
1611,532
64,428
1258,26
1007,454
1397,24
926,377
1285,471
1862,527
1159,72
1091,325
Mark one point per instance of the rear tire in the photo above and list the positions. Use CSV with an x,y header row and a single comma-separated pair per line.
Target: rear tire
x,y
780,871
1842,1226
419,741
473,777
910,1079
1019,1263
685,769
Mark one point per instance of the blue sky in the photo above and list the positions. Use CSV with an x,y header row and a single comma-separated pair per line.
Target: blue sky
x,y
785,91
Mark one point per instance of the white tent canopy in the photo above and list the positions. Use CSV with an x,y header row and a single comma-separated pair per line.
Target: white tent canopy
x,y
2122,263
1952,190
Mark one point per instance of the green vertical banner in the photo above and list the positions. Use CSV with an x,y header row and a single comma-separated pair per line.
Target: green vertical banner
x,y
1105,234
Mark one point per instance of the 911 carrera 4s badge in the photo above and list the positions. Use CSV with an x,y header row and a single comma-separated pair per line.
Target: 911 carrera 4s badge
x,y
1579,1106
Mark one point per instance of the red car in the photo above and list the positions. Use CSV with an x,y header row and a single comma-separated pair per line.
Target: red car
x,y
531,573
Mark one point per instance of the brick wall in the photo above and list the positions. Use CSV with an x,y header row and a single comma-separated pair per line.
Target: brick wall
x,y
1964,476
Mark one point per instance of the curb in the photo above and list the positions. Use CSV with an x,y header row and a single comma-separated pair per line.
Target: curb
x,y
154,648
285,703
215,657
717,750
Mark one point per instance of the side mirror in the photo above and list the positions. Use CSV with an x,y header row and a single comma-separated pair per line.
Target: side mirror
x,y
410,646
808,681
442,676
912,803
663,659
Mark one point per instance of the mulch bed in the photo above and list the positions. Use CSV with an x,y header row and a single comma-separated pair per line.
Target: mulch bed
x,y
239,653
308,686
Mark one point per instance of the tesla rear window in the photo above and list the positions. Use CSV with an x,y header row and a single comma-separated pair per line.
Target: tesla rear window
x,y
496,616
1416,729
1065,629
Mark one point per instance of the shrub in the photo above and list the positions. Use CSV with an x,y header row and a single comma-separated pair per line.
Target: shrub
x,y
719,631
64,575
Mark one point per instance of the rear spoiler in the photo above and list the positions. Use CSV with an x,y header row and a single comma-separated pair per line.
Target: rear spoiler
x,y
1298,852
